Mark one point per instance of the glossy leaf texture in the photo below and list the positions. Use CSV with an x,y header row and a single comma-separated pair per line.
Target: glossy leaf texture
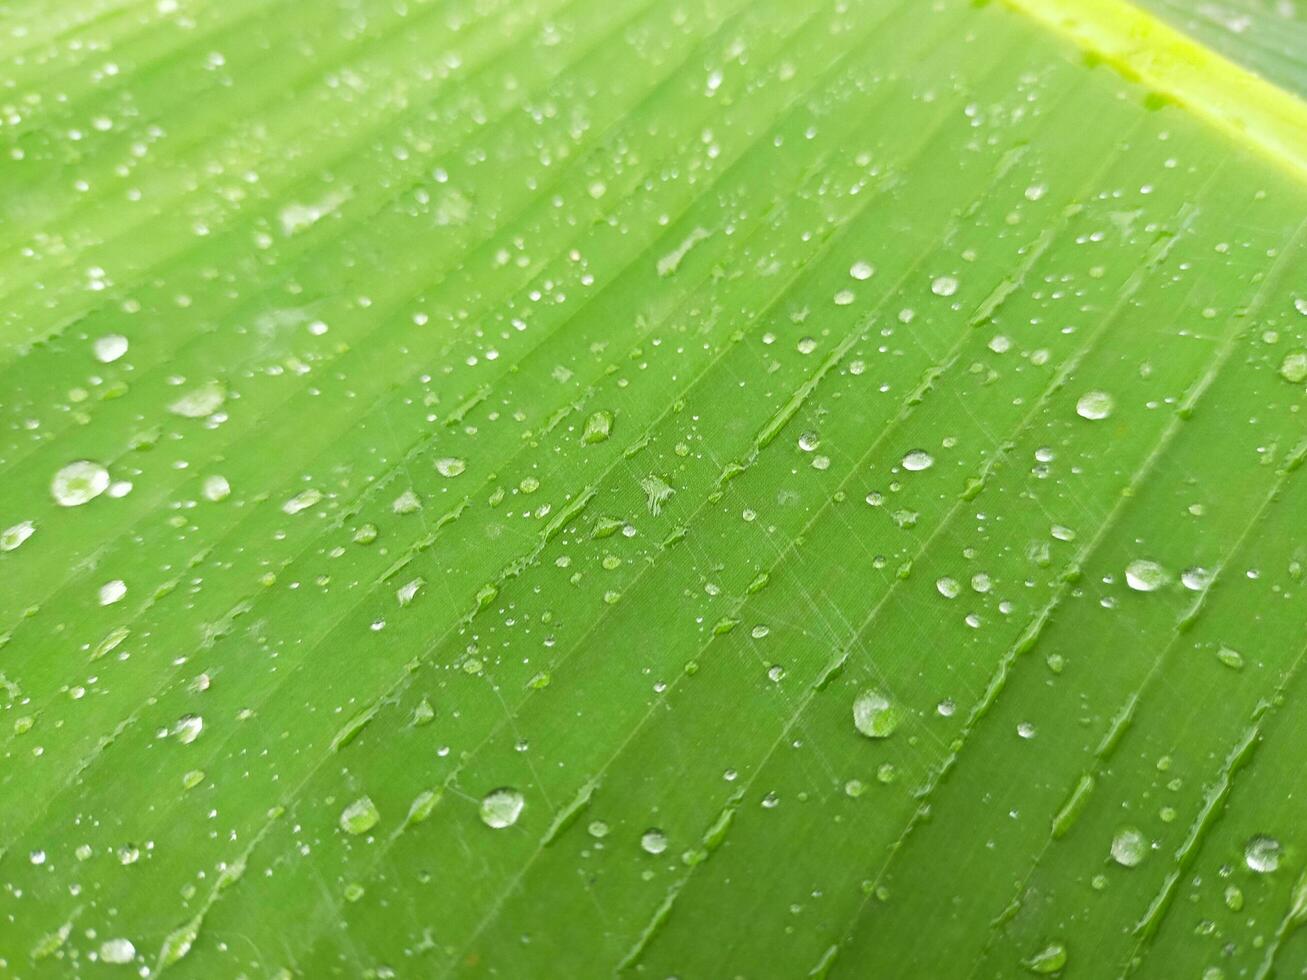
x,y
561,488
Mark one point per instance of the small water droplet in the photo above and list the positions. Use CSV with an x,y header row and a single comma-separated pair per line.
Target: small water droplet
x,y
862,271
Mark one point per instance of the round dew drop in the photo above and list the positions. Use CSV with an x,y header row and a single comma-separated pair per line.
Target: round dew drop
x,y
1262,854
117,951
109,348
1129,847
79,483
862,271
501,807
653,841
1095,405
948,587
874,715
918,460
201,402
450,466
944,286
360,816
1145,576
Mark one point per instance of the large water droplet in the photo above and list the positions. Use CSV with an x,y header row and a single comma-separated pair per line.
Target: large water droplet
x,y
117,951
501,807
200,402
944,286
1095,405
1145,576
918,460
79,482
1262,854
360,816
653,841
1129,847
875,715
450,466
861,270
12,537
187,728
109,348
1294,367
1051,959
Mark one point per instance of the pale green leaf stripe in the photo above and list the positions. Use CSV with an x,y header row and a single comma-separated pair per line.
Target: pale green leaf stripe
x,y
612,395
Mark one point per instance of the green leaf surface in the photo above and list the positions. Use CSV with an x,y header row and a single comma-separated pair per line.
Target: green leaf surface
x,y
554,488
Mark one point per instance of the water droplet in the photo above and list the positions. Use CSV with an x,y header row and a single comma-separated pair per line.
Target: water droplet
x,y
948,587
12,538
200,402
657,492
215,488
1145,576
1294,367
809,441
1230,658
1196,579
1051,959
1095,405
111,592
109,348
79,482
501,807
874,715
302,501
944,285
1129,847
187,728
862,271
844,297
653,841
117,951
360,816
597,427
450,466
1262,854
918,460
